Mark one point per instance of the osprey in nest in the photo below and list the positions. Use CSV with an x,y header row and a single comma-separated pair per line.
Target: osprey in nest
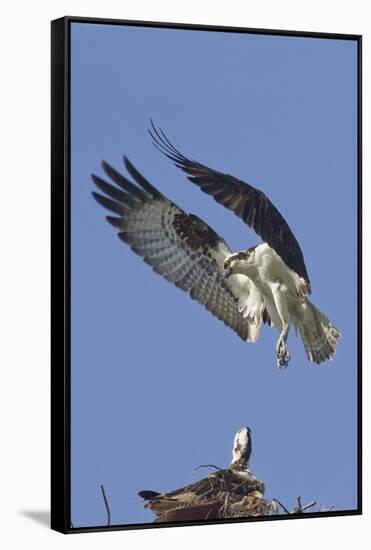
x,y
267,283
233,492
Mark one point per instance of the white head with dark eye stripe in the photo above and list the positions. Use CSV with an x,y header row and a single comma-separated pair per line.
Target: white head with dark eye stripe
x,y
237,263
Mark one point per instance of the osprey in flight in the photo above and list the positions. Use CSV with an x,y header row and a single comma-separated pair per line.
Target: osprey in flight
x,y
267,283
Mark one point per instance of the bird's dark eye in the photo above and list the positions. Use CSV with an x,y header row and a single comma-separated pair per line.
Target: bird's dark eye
x,y
226,264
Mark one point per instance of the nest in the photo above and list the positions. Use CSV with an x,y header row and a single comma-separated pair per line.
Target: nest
x,y
223,494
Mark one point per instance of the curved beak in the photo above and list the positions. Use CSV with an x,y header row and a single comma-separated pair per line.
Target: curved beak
x,y
227,272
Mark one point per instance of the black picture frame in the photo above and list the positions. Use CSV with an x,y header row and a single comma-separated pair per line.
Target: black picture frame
x,y
60,270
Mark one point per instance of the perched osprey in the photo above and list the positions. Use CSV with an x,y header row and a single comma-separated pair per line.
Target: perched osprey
x,y
232,492
266,283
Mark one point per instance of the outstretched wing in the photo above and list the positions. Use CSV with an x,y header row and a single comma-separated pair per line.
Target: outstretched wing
x,y
247,202
179,246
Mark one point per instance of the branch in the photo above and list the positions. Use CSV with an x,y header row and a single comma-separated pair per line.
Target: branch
x,y
300,509
280,504
106,505
208,466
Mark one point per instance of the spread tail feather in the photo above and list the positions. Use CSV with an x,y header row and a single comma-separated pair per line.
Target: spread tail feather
x,y
319,335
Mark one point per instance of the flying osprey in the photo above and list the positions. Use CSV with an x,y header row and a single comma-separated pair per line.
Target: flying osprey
x,y
229,492
266,283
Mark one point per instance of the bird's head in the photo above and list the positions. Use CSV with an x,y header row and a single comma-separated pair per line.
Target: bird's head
x,y
241,449
239,262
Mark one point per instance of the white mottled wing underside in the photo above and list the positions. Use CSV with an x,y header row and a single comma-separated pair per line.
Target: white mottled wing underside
x,y
179,246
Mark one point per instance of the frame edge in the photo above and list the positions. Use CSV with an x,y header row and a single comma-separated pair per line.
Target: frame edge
x,y
60,414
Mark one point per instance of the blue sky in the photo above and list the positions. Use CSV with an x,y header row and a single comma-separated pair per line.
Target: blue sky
x,y
159,386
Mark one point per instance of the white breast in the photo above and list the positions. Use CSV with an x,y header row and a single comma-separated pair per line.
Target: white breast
x,y
272,269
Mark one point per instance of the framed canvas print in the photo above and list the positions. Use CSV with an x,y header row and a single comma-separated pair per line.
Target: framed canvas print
x,y
206,274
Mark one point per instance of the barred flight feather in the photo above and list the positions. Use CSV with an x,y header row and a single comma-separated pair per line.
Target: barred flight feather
x,y
179,246
246,201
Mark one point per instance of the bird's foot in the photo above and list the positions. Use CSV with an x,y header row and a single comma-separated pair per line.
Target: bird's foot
x,y
283,360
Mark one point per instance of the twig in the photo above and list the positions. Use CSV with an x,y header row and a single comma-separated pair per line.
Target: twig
x,y
106,505
224,507
300,508
322,508
280,504
310,505
208,466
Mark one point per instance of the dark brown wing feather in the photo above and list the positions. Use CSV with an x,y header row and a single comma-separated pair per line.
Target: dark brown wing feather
x,y
178,246
209,490
247,202
209,486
